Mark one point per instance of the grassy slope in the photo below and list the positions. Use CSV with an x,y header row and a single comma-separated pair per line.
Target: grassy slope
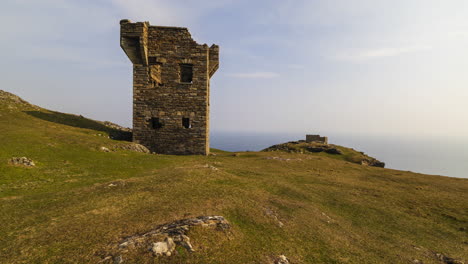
x,y
64,211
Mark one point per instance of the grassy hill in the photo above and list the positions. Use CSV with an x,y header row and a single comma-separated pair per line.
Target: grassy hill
x,y
79,201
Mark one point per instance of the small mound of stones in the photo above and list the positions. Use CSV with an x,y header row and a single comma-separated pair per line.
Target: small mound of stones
x,y
163,239
22,161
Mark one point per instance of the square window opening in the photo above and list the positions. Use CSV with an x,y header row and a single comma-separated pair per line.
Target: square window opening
x,y
153,61
156,123
186,73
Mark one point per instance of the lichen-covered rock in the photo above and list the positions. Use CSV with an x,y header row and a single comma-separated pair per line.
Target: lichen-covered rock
x,y
104,149
164,248
282,259
22,161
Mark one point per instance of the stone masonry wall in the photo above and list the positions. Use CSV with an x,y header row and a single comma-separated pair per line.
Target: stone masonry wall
x,y
160,99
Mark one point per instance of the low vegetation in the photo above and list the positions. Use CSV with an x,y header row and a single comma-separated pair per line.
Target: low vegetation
x,y
79,201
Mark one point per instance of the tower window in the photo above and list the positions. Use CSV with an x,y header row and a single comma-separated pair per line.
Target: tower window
x,y
186,122
156,123
186,73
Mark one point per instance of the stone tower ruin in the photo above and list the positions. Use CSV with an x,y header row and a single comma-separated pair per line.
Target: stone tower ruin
x,y
171,87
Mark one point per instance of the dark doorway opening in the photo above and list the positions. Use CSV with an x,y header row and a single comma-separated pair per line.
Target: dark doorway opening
x,y
186,122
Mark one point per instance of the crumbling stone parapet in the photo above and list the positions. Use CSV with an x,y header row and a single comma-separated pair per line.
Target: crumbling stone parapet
x,y
316,138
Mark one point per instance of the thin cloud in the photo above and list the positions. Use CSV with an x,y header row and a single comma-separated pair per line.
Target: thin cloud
x,y
295,66
254,75
382,53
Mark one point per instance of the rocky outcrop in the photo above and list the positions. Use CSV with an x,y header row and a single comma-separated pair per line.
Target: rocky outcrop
x,y
21,161
448,260
163,239
13,102
302,147
9,97
340,152
373,163
115,126
118,132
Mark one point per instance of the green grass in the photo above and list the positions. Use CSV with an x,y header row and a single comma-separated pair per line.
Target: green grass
x,y
64,211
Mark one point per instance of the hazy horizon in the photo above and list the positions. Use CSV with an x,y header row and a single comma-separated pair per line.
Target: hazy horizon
x,y
429,155
360,67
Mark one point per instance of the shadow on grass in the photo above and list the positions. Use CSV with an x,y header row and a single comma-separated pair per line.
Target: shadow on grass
x,y
81,122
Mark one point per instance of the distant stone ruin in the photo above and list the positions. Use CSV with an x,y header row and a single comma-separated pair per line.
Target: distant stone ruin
x,y
316,138
171,87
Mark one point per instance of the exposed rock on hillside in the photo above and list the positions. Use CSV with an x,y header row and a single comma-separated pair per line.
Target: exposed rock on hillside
x,y
339,152
133,147
448,260
373,162
302,147
281,260
115,126
22,161
13,102
104,149
129,146
163,239
118,132
6,96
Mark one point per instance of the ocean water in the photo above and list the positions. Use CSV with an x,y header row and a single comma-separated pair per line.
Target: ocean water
x,y
428,155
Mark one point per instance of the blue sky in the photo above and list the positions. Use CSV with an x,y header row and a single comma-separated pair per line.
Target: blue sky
x,y
395,67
